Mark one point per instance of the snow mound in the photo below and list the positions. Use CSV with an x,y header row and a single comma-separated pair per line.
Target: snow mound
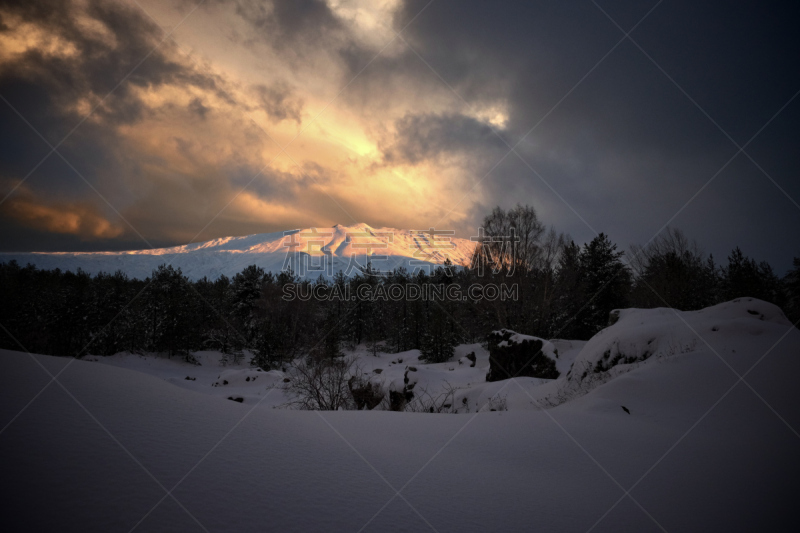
x,y
637,335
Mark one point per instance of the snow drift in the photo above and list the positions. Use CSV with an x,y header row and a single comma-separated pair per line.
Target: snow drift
x,y
636,335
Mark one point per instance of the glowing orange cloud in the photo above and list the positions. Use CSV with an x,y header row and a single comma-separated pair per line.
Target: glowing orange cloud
x,y
74,219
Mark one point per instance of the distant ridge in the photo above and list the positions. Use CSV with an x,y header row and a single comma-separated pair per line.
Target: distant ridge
x,y
309,252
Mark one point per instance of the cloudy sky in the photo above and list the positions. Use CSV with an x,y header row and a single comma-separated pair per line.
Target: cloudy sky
x,y
136,123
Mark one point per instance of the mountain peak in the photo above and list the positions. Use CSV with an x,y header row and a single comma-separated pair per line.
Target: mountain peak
x,y
342,245
358,226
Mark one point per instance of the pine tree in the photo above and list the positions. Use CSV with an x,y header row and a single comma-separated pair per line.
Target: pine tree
x,y
744,277
215,314
331,344
245,290
284,324
398,331
570,290
791,284
167,298
374,309
440,337
607,284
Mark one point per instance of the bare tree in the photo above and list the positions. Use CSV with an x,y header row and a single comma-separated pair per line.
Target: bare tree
x,y
442,401
671,241
511,239
550,249
673,271
322,384
516,240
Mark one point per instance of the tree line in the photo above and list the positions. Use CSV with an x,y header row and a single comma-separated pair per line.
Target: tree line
x,y
562,291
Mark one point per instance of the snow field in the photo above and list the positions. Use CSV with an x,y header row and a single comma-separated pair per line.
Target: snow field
x,y
699,449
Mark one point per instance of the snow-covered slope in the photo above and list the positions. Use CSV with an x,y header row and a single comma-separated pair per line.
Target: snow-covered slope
x,y
311,250
112,449
107,448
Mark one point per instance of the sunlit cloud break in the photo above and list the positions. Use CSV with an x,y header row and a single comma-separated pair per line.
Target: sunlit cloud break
x,y
183,121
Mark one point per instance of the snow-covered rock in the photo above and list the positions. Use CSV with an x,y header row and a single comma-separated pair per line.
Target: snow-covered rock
x,y
513,355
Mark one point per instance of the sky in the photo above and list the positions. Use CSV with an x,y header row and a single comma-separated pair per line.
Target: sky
x,y
131,124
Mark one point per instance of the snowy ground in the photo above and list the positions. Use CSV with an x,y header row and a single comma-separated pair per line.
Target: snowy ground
x,y
267,389
127,443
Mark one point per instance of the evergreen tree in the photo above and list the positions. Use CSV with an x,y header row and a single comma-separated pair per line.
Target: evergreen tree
x,y
570,291
744,277
373,309
440,337
245,290
110,314
607,284
284,324
673,271
215,315
791,284
168,310
398,330
331,344
676,281
711,280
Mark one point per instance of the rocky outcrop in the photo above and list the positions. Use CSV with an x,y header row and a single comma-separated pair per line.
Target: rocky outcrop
x,y
514,355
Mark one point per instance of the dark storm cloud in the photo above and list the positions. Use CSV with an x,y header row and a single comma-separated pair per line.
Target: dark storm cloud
x,y
196,106
425,137
280,102
273,184
45,88
96,66
626,149
485,48
54,92
288,24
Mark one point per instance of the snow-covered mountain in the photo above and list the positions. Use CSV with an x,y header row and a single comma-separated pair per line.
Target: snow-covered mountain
x,y
310,252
